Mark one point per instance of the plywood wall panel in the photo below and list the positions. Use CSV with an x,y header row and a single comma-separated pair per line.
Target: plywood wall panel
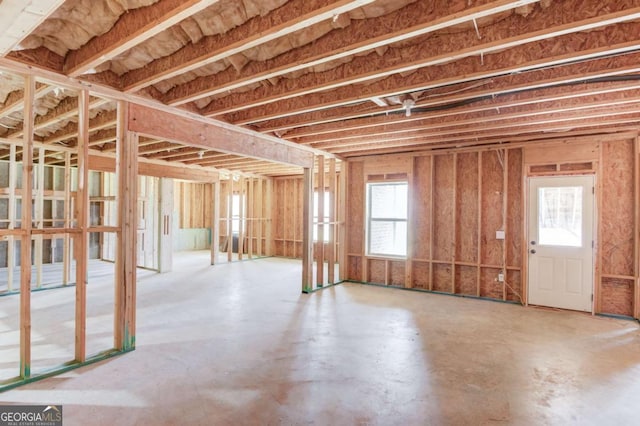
x,y
443,210
515,216
397,273
617,296
466,278
422,221
442,278
420,275
492,180
355,208
467,207
514,279
354,268
617,209
376,271
489,287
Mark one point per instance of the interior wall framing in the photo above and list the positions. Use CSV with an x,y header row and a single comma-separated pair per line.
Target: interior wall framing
x,y
460,198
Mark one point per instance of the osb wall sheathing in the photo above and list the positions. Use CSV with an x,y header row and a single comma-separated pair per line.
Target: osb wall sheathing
x,y
479,180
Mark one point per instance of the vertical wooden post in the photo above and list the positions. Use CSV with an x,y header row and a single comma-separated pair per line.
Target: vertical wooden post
x,y
307,237
431,221
241,217
260,215
125,288
12,216
320,210
26,225
479,228
597,291
269,241
165,256
81,243
454,230
411,196
215,222
230,219
250,218
331,245
39,216
505,201
636,153
342,219
68,212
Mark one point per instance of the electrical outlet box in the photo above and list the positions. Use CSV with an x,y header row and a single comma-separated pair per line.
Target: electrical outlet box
x,y
500,235
501,277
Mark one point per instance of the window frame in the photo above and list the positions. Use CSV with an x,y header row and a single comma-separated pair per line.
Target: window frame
x,y
369,219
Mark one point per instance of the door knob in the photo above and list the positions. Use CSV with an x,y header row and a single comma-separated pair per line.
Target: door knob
x,y
533,243
533,251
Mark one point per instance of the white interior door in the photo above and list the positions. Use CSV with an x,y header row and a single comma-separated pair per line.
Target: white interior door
x,y
561,214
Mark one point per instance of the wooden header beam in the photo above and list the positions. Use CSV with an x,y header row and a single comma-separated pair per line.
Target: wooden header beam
x,y
209,134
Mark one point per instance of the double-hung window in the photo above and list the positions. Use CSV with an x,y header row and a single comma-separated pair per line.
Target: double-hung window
x,y
387,218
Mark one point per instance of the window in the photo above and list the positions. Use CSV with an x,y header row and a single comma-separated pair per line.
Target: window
x,y
327,209
387,218
560,216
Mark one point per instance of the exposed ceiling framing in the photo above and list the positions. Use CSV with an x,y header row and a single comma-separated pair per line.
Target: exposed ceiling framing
x,y
351,78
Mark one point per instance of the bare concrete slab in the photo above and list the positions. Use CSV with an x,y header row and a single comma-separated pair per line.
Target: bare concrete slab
x,y
238,344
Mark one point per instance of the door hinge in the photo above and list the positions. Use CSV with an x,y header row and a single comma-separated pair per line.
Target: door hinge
x,y
593,189
592,297
593,244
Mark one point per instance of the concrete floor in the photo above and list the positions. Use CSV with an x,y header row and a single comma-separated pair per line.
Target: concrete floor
x,y
238,344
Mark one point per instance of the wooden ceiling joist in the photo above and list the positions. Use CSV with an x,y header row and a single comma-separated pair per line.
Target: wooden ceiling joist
x,y
293,16
328,120
133,28
567,49
559,99
415,19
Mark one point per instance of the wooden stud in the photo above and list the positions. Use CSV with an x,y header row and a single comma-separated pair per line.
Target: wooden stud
x,y
12,216
636,234
81,240
331,246
68,213
342,220
412,194
307,236
505,200
320,209
215,222
241,216
26,226
454,230
479,230
38,215
127,172
250,218
431,224
260,214
230,218
597,291
269,241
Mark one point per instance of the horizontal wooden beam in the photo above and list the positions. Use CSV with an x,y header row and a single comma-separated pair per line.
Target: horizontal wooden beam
x,y
131,29
157,169
208,134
